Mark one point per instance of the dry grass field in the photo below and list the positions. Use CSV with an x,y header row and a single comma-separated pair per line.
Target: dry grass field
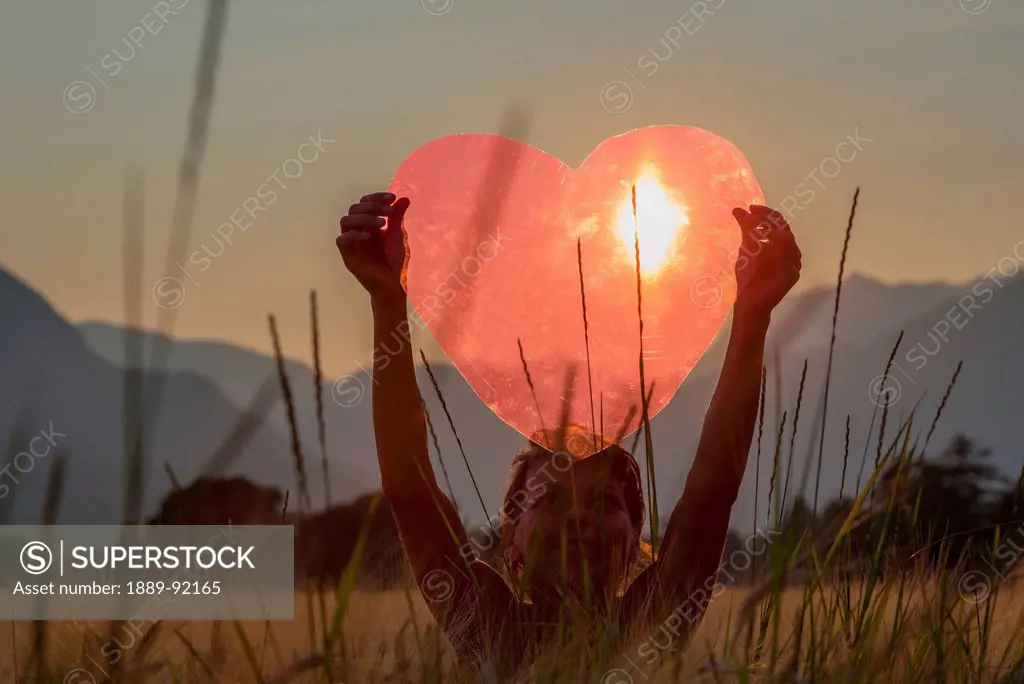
x,y
391,637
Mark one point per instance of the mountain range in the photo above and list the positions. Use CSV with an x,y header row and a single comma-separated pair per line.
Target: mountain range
x,y
69,378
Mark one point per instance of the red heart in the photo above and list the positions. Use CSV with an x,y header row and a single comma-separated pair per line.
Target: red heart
x,y
492,240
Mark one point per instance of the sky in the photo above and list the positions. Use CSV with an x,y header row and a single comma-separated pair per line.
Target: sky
x,y
929,89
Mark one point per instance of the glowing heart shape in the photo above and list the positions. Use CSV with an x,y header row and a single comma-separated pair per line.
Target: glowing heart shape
x,y
492,234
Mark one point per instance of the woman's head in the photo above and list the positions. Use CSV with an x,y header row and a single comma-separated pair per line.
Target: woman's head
x,y
590,504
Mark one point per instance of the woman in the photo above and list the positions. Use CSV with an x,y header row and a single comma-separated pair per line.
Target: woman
x,y
571,526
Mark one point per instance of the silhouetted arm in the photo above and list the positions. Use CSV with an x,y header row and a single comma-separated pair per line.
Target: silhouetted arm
x,y
456,586
691,552
683,577
432,534
430,526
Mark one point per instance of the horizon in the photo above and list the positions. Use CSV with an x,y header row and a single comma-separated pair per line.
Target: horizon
x,y
434,354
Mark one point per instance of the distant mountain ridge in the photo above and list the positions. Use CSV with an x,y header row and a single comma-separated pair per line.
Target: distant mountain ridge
x,y
51,377
984,404
871,316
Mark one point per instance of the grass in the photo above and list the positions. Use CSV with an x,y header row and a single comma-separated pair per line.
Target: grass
x,y
916,630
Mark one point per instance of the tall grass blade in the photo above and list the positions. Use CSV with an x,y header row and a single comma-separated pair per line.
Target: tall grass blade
x,y
299,460
652,489
586,337
874,413
193,651
792,440
515,123
942,406
529,382
440,456
832,342
230,449
51,507
172,477
185,198
451,424
134,218
247,651
347,585
318,389
298,668
639,432
846,458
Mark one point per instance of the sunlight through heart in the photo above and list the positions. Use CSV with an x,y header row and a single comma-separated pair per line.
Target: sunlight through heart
x,y
498,232
658,225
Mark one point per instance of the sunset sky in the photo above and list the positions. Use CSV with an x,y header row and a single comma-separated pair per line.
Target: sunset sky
x,y
931,88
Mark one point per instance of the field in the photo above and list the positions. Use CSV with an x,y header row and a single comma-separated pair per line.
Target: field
x,y
390,637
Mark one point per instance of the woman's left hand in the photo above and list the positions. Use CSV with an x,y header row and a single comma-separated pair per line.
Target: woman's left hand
x,y
768,265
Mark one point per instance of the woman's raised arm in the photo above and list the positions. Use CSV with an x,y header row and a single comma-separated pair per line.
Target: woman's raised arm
x,y
432,533
682,579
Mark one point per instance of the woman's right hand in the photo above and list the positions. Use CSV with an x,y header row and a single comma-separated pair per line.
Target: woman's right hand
x,y
374,254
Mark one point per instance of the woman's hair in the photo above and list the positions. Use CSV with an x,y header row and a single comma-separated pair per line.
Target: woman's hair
x,y
577,443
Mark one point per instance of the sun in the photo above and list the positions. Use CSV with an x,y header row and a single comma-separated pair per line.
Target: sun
x,y
659,223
